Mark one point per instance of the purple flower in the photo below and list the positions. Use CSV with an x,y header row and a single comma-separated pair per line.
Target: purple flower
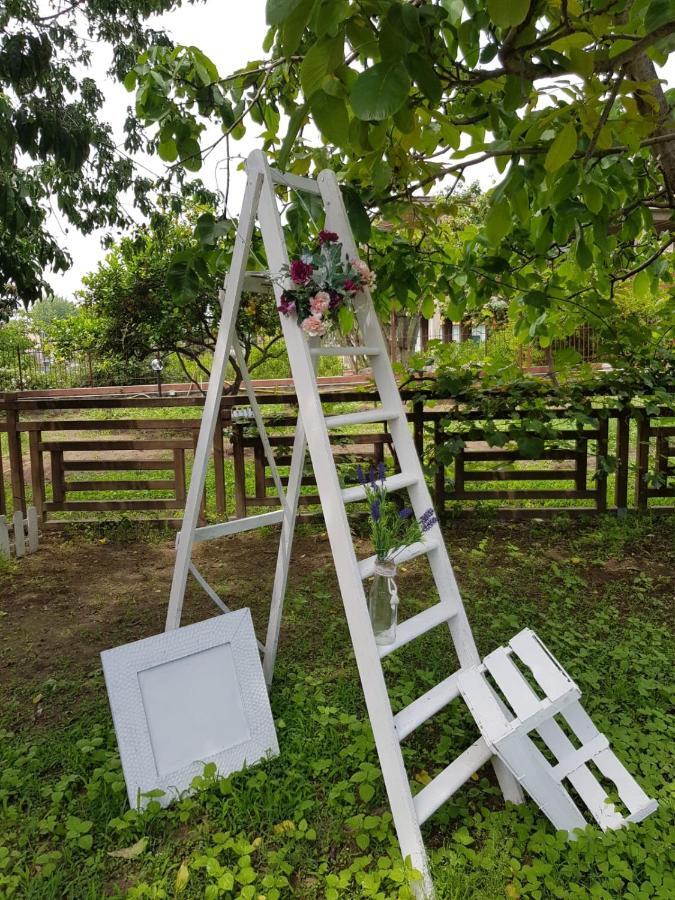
x,y
428,520
335,299
381,471
375,510
360,475
405,513
287,303
327,237
371,477
301,271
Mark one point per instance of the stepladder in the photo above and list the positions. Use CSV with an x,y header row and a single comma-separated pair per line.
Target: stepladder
x,y
494,689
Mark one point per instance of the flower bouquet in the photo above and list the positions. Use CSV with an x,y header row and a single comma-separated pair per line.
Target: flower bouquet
x,y
319,286
392,529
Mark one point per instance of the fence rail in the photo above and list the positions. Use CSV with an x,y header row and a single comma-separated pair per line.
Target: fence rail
x,y
67,464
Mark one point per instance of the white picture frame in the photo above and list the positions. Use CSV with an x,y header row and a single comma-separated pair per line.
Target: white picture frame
x,y
185,698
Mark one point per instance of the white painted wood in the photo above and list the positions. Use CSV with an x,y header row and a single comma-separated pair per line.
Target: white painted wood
x,y
426,706
259,421
511,683
32,528
365,417
344,351
419,548
296,182
545,667
4,538
237,526
19,534
206,587
418,625
450,780
577,758
391,483
213,397
349,578
371,332
185,698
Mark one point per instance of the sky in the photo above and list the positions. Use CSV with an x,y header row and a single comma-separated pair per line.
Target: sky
x,y
231,34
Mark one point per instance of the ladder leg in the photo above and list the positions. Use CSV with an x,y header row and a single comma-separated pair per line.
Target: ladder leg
x,y
212,403
284,554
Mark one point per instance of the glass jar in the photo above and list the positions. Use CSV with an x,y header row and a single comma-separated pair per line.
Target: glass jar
x,y
383,602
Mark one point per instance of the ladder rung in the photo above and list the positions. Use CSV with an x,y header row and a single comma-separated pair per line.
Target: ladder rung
x,y
364,417
344,351
426,706
297,182
450,780
392,483
367,566
421,623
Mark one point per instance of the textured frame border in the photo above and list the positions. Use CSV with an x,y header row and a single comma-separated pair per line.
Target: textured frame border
x,y
121,667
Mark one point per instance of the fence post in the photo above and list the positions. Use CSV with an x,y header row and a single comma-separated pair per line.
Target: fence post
x,y
219,464
622,457
15,455
439,477
642,460
239,471
3,503
600,469
37,475
418,428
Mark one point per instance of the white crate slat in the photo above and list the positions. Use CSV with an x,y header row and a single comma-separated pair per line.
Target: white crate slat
x,y
548,672
511,683
32,528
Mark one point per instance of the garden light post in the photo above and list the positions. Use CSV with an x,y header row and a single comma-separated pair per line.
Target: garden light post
x,y
156,366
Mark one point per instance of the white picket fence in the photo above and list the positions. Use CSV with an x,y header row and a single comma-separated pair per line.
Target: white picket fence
x,y
20,533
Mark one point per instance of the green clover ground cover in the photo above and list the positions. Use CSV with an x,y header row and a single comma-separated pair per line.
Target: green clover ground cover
x,y
314,822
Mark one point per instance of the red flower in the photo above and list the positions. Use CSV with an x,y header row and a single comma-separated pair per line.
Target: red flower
x,y
327,237
300,271
352,286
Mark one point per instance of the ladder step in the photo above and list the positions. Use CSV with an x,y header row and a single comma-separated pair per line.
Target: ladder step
x,y
344,351
421,623
364,417
367,566
426,706
451,779
392,483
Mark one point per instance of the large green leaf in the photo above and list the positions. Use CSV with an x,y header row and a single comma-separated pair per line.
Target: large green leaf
x,y
507,13
562,149
278,10
380,91
358,217
321,59
424,76
331,118
498,222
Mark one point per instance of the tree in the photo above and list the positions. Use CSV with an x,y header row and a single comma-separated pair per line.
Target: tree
x,y
53,309
55,150
156,293
409,97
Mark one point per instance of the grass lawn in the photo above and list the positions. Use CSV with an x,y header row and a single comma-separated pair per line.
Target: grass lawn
x,y
314,822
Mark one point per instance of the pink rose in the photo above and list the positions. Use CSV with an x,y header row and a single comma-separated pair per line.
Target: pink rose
x,y
319,303
314,325
367,277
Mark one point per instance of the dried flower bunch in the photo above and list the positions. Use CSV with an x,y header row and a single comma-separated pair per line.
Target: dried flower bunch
x,y
322,284
392,528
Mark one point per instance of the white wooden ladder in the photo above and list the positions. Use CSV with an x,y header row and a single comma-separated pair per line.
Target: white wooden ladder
x,y
313,431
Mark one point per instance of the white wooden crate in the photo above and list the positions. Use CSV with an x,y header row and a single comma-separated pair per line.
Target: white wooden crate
x,y
521,689
22,532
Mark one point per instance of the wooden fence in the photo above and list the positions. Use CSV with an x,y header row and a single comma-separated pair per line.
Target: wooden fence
x,y
53,460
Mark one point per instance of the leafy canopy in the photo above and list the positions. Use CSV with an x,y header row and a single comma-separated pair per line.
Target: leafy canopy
x,y
409,97
56,152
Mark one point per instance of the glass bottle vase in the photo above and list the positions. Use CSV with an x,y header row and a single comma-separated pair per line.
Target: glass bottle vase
x,y
383,602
